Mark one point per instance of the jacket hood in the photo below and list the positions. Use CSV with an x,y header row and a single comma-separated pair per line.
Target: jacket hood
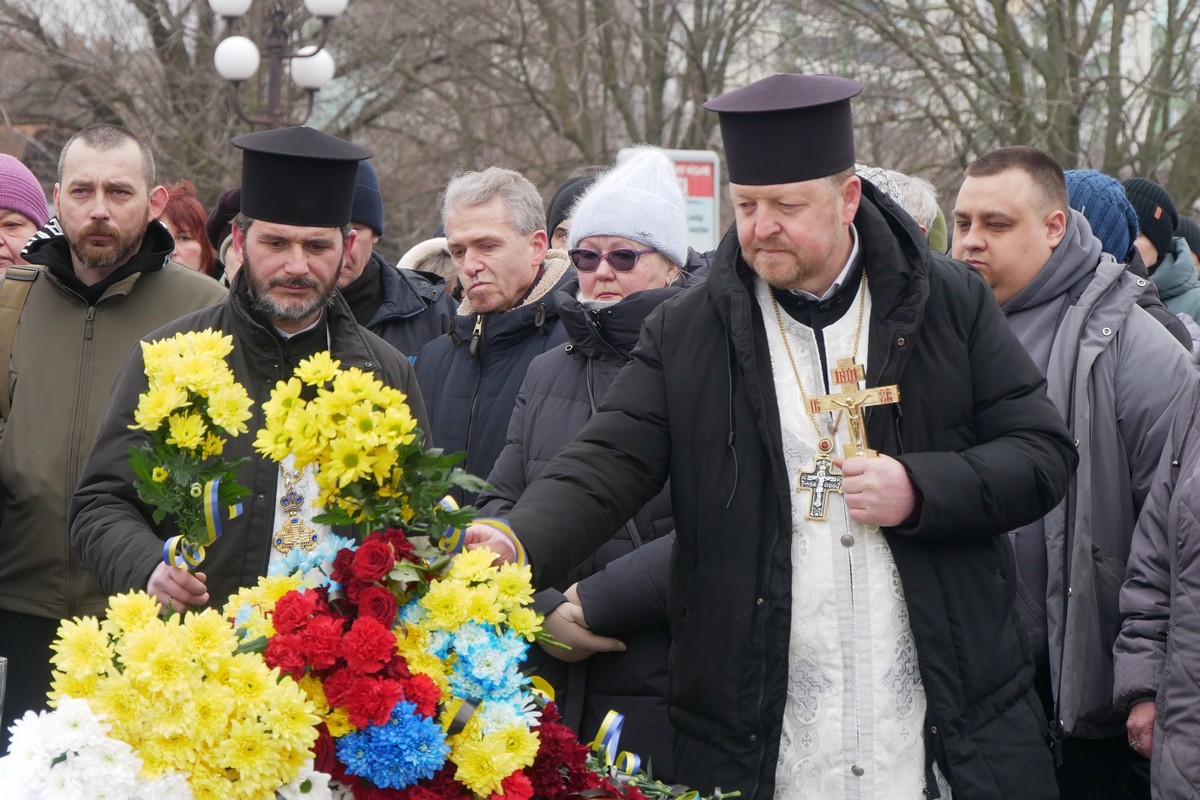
x,y
405,292
49,247
1177,272
553,269
612,331
1075,257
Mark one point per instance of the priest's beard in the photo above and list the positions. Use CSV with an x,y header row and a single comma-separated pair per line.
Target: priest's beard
x,y
295,309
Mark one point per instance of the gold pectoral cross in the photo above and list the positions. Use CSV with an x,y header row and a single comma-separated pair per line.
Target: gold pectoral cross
x,y
853,400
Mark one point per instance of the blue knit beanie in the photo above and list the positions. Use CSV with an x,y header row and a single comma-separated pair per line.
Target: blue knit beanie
x,y
368,202
1102,201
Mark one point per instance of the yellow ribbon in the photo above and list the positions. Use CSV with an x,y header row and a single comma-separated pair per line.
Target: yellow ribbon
x,y
502,525
542,686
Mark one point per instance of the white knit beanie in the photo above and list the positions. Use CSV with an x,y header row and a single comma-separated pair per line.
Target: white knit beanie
x,y
637,200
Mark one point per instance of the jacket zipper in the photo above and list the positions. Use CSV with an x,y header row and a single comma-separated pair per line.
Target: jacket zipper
x,y
476,341
82,387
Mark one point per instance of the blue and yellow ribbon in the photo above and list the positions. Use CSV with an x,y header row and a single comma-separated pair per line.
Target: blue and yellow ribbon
x,y
607,742
180,551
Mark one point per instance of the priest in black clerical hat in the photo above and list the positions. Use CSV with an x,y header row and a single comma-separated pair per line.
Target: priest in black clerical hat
x,y
787,128
283,308
843,624
299,176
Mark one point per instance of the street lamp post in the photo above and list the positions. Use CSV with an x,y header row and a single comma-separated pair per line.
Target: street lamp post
x,y
237,58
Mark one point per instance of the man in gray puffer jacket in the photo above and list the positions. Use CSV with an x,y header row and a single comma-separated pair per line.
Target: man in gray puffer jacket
x,y
1116,375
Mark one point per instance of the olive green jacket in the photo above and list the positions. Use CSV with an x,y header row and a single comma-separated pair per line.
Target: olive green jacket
x,y
65,359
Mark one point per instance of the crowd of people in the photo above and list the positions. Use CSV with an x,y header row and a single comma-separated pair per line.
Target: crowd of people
x,y
882,498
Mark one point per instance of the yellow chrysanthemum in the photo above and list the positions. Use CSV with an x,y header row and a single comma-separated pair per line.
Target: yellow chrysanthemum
x,y
317,369
471,566
338,722
209,638
513,586
156,404
214,445
186,431
229,408
82,648
486,761
129,612
446,604
199,372
347,463
525,622
482,605
284,397
73,686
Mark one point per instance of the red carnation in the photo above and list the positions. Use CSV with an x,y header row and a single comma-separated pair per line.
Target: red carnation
x,y
286,651
370,701
337,686
293,610
323,641
422,692
397,668
373,560
368,646
377,603
515,787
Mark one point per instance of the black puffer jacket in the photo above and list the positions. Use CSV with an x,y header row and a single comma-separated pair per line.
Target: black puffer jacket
x,y
470,377
985,449
416,308
560,390
110,526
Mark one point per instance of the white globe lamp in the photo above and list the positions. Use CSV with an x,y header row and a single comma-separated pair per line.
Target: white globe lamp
x,y
236,58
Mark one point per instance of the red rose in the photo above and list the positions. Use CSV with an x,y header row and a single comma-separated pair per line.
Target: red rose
x,y
515,787
401,546
377,603
370,701
422,692
373,560
323,641
341,565
324,756
286,651
368,646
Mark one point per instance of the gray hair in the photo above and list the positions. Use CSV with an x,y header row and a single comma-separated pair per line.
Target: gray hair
x,y
918,197
522,202
243,223
105,137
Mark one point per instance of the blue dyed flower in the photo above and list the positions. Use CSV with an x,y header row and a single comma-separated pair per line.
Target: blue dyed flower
x,y
401,752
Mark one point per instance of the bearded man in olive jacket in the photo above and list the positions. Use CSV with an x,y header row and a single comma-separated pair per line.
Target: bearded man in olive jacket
x,y
778,690
100,278
281,309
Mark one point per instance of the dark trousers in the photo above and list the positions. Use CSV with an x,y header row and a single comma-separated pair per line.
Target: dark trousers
x,y
25,642
1097,769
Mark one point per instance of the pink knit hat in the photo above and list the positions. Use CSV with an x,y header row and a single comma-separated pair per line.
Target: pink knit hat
x,y
20,191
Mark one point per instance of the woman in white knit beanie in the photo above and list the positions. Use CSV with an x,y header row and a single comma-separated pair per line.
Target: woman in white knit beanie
x,y
629,232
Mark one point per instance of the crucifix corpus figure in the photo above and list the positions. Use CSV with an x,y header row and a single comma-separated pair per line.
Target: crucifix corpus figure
x,y
847,375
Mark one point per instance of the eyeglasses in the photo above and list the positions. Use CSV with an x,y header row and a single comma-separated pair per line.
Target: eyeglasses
x,y
622,259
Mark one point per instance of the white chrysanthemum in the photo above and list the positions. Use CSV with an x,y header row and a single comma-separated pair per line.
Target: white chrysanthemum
x,y
308,785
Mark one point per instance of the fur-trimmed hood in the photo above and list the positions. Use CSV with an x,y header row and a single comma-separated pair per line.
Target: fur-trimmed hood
x,y
553,269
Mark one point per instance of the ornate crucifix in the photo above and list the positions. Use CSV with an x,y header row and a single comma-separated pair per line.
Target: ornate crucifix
x,y
852,400
821,481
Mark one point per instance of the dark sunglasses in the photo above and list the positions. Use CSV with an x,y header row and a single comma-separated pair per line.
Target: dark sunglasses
x,y
622,259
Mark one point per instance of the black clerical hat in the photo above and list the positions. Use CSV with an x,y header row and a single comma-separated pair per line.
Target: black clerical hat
x,y
787,128
299,176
